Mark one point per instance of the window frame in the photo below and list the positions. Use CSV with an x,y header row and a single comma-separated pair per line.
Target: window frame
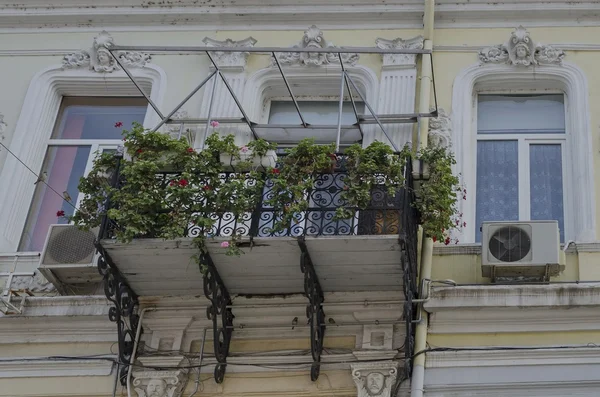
x,y
580,208
524,143
35,126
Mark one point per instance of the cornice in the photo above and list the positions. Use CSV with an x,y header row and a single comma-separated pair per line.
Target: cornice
x,y
239,15
31,367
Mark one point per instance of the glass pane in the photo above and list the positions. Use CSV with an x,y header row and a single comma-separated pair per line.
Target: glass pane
x,y
95,118
498,114
545,171
314,112
497,183
64,166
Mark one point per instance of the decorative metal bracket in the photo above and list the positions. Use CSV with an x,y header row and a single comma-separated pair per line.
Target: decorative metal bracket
x,y
219,313
314,309
123,312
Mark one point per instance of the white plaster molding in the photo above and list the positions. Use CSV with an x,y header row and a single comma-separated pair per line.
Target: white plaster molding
x,y
35,283
520,50
521,296
440,130
166,383
502,358
313,38
36,121
99,59
514,319
230,61
399,60
32,367
375,379
580,210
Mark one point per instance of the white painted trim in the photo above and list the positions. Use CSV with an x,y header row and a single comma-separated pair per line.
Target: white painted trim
x,y
566,77
35,124
44,368
514,296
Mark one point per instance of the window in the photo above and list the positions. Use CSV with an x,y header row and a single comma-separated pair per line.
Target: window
x,y
520,159
318,113
84,127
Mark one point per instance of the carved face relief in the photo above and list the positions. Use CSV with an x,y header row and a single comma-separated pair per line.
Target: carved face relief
x,y
103,57
375,383
156,388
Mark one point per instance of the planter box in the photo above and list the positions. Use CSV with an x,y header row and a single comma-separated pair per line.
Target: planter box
x,y
266,161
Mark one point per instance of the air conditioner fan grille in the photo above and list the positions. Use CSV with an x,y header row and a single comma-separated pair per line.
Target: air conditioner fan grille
x,y
509,244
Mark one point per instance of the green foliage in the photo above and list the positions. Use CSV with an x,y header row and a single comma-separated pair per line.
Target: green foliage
x,y
437,196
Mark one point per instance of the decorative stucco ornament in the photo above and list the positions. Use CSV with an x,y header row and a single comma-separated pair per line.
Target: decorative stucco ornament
x,y
99,59
440,129
374,379
159,383
230,60
521,51
416,43
314,38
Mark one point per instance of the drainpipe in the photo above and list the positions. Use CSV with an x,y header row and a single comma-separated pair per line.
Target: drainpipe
x,y
418,374
135,347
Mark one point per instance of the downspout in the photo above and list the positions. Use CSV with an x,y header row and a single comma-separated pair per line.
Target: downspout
x,y
418,372
136,342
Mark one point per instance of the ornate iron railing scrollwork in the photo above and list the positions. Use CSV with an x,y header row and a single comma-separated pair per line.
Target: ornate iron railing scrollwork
x,y
408,260
123,312
314,309
220,314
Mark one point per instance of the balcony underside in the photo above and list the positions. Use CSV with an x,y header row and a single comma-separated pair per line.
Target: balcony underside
x,y
155,267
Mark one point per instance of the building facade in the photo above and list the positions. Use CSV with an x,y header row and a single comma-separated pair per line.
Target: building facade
x,y
510,87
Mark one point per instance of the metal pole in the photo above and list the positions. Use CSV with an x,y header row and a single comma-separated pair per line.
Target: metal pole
x,y
235,98
210,106
372,112
341,107
136,84
362,135
187,98
289,90
268,50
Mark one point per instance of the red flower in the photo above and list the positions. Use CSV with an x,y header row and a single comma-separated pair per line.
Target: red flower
x,y
190,150
275,171
447,241
434,239
172,183
183,182
207,187
60,213
464,224
139,151
118,124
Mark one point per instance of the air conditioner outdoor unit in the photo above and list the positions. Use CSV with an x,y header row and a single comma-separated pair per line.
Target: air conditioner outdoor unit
x,y
521,251
69,257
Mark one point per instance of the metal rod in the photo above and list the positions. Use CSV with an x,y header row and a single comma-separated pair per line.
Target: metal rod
x,y
110,50
289,89
345,324
187,98
365,303
362,119
372,112
341,106
235,98
268,50
210,107
433,84
358,119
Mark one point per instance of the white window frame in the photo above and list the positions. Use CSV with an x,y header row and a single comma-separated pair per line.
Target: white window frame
x,y
578,183
524,141
36,123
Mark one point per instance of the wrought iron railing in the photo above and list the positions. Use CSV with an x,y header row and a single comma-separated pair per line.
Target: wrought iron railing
x,y
386,214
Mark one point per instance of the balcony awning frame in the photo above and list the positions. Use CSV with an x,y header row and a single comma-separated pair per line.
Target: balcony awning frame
x,y
346,84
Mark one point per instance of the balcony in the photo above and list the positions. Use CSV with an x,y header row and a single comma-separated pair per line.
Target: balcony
x,y
361,253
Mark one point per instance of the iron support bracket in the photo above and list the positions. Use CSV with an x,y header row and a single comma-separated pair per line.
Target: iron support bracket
x,y
314,309
123,312
219,311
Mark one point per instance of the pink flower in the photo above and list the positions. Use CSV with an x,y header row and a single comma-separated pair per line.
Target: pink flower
x,y
183,182
244,149
275,171
214,124
118,124
447,241
434,239
225,244
190,150
60,213
207,187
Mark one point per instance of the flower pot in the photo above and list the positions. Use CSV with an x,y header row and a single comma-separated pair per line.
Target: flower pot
x,y
249,160
420,170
